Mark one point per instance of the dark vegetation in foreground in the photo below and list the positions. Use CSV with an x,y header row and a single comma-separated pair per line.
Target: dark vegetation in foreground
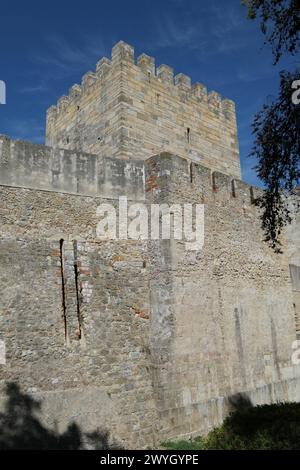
x,y
267,427
20,428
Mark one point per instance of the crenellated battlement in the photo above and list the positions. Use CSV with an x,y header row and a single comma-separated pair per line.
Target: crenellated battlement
x,y
203,302
129,108
61,170
164,74
70,294
195,182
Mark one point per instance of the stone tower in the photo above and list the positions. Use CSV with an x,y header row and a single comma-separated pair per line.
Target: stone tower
x,y
141,337
133,111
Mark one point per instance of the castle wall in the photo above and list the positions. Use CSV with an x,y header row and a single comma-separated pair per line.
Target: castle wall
x,y
125,103
51,169
293,250
143,337
222,320
76,337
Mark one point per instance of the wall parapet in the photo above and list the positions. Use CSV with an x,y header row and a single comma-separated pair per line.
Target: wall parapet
x,y
36,166
218,186
40,167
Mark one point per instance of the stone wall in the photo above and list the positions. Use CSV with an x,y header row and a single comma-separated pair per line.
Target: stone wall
x,y
293,251
37,166
71,316
223,320
133,110
143,338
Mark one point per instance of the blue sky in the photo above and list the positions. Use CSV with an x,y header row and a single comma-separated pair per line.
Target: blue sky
x,y
47,46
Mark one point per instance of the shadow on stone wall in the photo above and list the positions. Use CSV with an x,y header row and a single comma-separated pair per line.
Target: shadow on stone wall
x,y
20,428
239,401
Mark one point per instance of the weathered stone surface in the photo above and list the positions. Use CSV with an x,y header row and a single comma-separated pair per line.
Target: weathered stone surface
x,y
164,336
130,104
143,338
37,166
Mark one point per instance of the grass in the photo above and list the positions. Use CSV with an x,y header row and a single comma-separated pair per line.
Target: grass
x,y
195,444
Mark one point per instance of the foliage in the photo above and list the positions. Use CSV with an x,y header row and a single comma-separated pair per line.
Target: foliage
x,y
279,22
276,126
266,427
277,149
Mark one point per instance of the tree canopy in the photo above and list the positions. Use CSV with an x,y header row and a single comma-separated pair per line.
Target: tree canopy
x,y
276,127
279,22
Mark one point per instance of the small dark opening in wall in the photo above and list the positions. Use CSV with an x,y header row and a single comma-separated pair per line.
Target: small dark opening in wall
x,y
188,134
68,140
144,264
191,172
233,189
78,291
214,183
149,76
157,98
78,108
63,292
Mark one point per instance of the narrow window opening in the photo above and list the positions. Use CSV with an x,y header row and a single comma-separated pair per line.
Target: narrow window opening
x,y
158,98
78,292
149,76
233,188
78,108
63,291
144,264
191,172
214,183
188,135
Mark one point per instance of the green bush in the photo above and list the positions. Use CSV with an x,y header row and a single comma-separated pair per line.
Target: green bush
x,y
263,427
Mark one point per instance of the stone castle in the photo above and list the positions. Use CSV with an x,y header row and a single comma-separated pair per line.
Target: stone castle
x,y
141,337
